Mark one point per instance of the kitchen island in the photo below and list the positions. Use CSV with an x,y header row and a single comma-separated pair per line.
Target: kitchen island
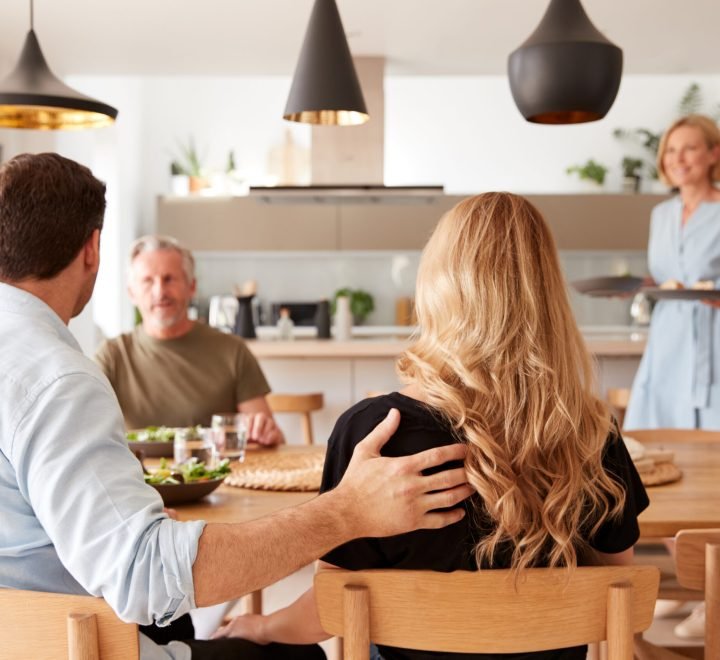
x,y
345,371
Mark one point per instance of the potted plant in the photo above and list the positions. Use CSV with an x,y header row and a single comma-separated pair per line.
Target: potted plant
x,y
189,165
631,174
361,303
591,171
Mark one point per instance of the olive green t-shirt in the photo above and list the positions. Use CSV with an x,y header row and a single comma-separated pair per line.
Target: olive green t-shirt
x,y
182,381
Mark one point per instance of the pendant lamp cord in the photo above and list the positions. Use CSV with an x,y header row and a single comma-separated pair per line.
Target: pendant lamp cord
x,y
32,15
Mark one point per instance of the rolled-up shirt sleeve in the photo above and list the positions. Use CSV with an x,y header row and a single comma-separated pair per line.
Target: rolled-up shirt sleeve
x,y
87,490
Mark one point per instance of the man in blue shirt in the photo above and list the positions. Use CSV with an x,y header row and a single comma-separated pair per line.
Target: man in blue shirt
x,y
76,514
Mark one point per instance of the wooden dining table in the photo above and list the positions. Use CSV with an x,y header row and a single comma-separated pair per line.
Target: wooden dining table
x,y
692,502
231,504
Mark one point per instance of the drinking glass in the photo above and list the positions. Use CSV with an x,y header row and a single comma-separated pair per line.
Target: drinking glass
x,y
193,443
234,434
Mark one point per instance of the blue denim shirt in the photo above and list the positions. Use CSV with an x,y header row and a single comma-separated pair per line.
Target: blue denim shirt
x,y
75,513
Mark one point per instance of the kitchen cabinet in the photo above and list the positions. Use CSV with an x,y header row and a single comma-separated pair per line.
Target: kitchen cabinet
x,y
578,222
247,224
391,226
346,371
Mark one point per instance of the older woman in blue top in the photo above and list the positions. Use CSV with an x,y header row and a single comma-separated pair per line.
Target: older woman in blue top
x,y
678,382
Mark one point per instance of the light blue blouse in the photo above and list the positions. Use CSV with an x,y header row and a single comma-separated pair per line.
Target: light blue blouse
x,y
677,383
75,513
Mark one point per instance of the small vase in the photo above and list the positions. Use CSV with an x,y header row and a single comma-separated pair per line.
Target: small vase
x,y
343,319
631,184
590,187
197,183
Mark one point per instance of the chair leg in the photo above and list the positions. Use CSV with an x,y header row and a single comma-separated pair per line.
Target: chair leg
x,y
82,637
252,602
356,623
619,627
712,600
307,428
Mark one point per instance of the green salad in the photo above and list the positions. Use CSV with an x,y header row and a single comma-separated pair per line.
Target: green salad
x,y
189,472
156,434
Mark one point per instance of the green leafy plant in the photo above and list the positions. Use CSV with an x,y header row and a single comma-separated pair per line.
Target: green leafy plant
x,y
590,171
361,302
189,162
648,140
230,167
631,166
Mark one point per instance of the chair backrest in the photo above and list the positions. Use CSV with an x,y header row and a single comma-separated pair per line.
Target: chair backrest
x,y
298,403
697,561
673,435
44,626
492,611
618,399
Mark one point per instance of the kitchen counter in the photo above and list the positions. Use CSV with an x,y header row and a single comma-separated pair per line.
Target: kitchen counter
x,y
346,371
611,342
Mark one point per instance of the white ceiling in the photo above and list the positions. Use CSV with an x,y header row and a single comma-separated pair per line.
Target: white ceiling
x,y
416,36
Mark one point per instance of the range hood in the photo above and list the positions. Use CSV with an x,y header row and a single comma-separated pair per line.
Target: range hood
x,y
347,194
347,162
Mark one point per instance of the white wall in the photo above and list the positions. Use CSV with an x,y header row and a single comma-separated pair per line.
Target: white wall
x,y
463,132
466,132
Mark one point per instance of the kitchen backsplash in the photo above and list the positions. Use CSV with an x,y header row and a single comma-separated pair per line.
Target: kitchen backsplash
x,y
309,276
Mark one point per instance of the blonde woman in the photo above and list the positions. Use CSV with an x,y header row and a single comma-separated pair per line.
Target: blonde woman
x,y
678,382
500,365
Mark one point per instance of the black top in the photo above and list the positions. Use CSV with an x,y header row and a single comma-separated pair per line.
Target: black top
x,y
451,548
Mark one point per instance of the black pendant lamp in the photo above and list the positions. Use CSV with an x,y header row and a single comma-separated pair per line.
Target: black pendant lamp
x,y
325,88
566,72
33,97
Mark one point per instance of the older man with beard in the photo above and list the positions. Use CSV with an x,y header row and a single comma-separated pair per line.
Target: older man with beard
x,y
171,370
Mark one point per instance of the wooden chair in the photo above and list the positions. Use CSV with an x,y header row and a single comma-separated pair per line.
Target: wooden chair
x,y
298,403
487,611
618,399
44,626
697,558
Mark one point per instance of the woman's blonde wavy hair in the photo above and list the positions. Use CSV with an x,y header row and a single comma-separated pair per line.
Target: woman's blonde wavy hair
x,y
500,356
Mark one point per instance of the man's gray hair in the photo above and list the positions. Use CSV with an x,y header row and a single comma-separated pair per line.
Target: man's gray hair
x,y
152,243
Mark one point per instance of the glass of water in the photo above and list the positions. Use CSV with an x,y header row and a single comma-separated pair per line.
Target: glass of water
x,y
233,434
193,443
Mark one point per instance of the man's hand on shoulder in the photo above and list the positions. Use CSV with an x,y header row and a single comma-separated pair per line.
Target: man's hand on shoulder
x,y
387,496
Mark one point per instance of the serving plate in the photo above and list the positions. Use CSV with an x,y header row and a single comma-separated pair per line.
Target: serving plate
x,y
173,494
682,294
608,286
152,449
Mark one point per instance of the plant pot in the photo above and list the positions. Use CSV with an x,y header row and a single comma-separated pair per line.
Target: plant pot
x,y
631,184
197,183
180,184
589,186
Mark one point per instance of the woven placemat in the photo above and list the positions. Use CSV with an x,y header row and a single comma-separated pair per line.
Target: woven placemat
x,y
662,473
280,470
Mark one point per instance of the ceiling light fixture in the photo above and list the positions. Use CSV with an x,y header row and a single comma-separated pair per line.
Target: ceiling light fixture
x,y
33,97
325,88
566,72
